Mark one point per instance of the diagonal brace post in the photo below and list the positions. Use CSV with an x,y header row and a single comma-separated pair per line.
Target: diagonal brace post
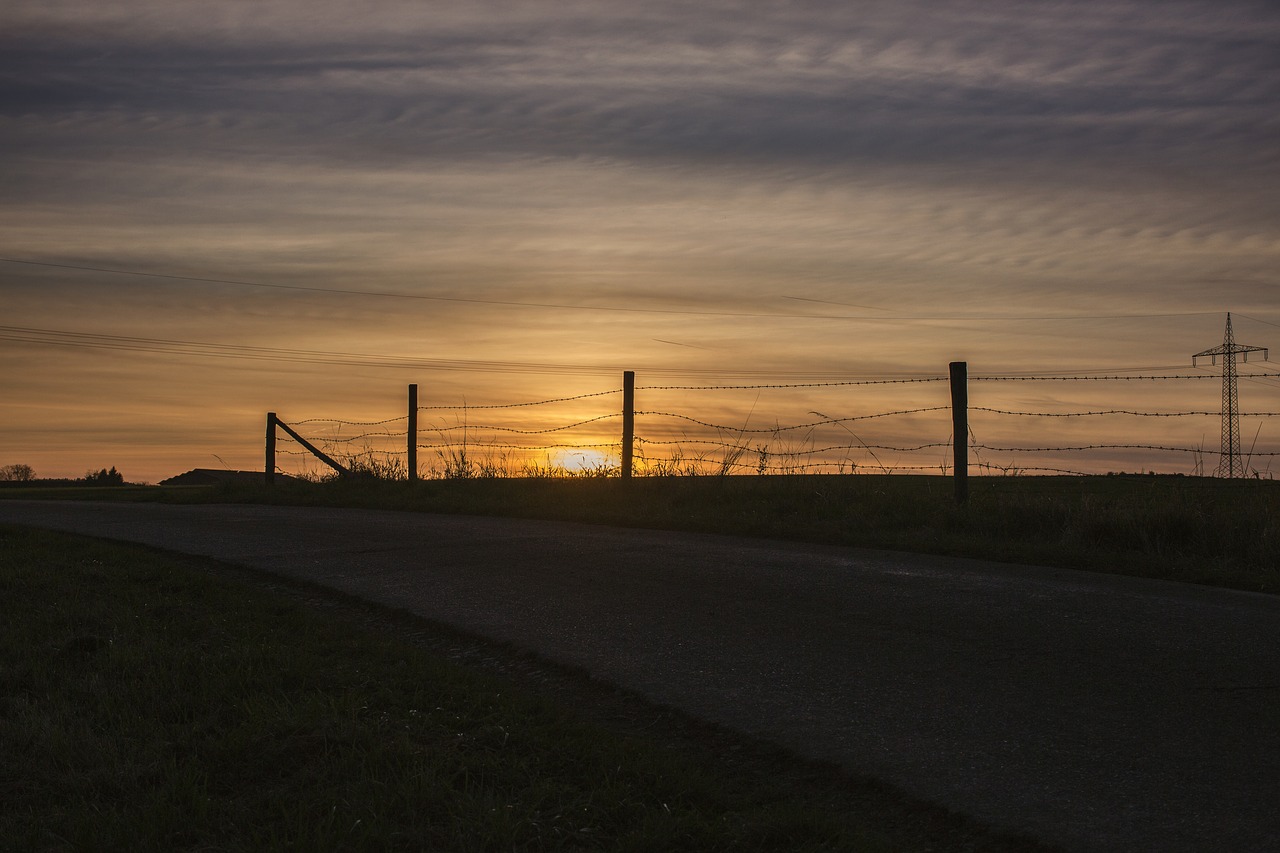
x,y
321,455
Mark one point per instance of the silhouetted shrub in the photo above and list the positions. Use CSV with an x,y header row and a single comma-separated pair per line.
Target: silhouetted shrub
x,y
17,473
105,477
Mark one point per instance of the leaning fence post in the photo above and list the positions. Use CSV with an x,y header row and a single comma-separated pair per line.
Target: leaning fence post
x,y
628,419
413,432
960,428
270,468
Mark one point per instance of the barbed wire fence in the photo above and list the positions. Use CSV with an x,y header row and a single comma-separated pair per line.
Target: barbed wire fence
x,y
761,442
1127,455
908,425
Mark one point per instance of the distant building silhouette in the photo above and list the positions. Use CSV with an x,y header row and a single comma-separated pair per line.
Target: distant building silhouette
x,y
217,476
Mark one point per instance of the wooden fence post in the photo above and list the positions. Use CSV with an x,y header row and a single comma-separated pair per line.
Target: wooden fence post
x,y
413,432
960,428
270,468
628,419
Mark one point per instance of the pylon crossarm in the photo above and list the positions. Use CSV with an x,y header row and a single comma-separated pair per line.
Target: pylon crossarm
x,y
1234,350
1266,356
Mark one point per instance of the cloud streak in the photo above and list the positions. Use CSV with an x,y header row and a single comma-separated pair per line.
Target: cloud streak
x,y
898,85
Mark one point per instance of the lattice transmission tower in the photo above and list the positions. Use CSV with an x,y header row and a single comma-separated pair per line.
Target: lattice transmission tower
x,y
1230,464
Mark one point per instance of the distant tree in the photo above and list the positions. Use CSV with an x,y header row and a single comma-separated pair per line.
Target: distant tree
x,y
105,477
20,473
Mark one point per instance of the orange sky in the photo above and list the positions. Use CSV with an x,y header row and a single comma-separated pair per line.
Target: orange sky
x,y
306,211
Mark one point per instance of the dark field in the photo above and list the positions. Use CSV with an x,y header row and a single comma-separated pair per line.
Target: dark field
x,y
156,702
1199,530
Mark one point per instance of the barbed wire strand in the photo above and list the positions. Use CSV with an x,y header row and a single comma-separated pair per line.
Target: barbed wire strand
x,y
1114,378
349,439
809,452
521,405
1118,412
793,385
657,466
483,447
1073,448
487,427
1005,469
775,429
345,423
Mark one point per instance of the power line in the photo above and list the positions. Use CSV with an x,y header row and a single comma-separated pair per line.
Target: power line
x,y
1258,320
897,318
200,349
163,346
417,296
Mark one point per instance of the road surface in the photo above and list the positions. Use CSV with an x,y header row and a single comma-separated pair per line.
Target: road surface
x,y
1096,712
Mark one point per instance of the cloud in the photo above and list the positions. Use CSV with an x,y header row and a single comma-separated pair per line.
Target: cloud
x,y
983,158
888,84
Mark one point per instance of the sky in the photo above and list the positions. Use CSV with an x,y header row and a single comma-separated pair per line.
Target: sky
x,y
214,210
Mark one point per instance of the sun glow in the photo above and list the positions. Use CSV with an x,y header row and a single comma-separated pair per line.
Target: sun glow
x,y
584,460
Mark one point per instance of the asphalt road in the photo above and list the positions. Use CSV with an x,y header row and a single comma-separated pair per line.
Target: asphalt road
x,y
1099,713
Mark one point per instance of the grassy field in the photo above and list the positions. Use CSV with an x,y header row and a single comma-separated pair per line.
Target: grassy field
x,y
1200,530
155,702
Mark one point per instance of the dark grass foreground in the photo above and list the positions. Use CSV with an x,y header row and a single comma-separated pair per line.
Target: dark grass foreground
x,y
1195,529
153,702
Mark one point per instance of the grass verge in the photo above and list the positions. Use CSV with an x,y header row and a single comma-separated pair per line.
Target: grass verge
x,y
1199,530
157,702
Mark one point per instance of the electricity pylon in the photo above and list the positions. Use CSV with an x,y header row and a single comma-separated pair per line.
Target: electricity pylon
x,y
1229,464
